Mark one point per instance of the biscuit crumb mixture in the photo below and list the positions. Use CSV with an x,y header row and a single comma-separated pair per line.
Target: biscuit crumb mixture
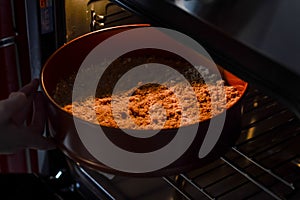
x,y
154,106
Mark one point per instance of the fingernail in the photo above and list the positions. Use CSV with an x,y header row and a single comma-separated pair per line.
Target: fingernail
x,y
15,95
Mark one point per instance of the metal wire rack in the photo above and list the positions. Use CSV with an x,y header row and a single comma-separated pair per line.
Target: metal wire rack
x,y
264,164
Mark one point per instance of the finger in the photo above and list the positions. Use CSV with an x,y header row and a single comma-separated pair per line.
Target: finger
x,y
39,142
15,102
39,114
25,113
30,87
44,144
28,137
17,138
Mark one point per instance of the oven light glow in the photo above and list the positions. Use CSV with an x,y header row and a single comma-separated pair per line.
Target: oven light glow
x,y
250,133
296,162
255,104
58,175
253,119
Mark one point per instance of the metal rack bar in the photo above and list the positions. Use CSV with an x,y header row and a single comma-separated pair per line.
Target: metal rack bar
x,y
99,186
202,190
219,180
174,185
291,185
257,183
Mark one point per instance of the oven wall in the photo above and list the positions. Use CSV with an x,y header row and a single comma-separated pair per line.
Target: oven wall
x,y
14,70
30,30
82,18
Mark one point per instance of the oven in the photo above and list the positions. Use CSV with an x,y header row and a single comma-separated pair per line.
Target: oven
x,y
264,163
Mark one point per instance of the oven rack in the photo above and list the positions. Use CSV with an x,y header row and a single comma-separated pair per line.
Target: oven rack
x,y
264,164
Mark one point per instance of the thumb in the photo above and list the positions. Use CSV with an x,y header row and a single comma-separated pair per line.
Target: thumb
x,y
41,143
34,140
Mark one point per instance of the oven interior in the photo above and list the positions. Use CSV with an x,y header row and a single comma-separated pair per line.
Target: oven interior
x,y
263,164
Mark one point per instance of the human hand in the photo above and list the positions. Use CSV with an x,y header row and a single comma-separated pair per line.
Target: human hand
x,y
15,132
